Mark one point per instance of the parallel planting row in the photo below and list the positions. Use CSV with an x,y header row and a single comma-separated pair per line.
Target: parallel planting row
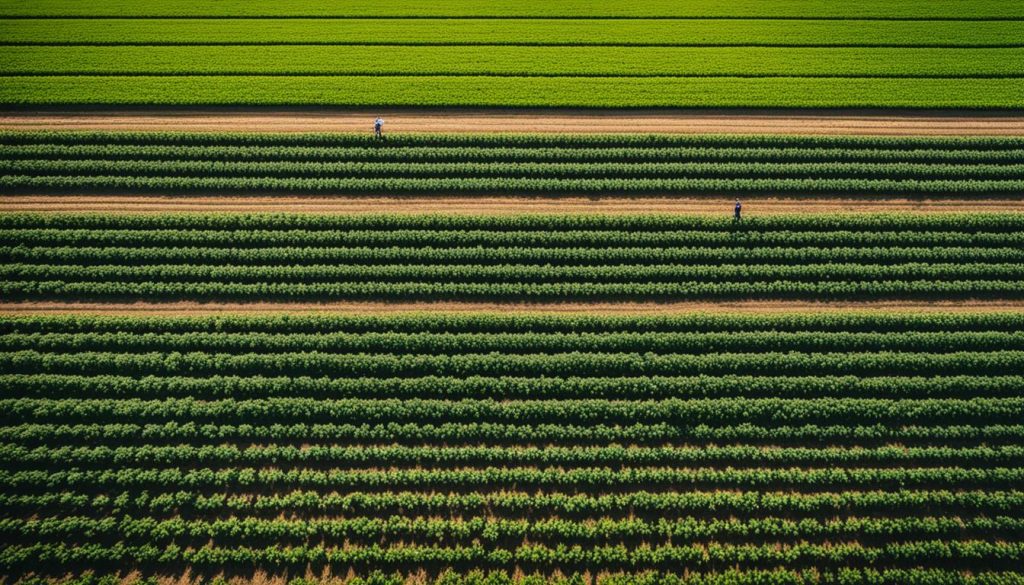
x,y
112,162
517,258
473,53
707,449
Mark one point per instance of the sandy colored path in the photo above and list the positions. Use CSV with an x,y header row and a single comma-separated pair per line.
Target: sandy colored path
x,y
489,205
186,308
518,121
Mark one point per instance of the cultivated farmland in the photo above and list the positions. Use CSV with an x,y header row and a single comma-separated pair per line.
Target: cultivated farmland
x,y
834,448
571,54
549,165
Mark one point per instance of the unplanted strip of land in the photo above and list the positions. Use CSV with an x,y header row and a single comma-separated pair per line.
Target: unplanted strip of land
x,y
603,308
488,205
503,121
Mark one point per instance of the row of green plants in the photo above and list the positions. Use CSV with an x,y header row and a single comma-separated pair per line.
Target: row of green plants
x,y
965,553
316,364
527,322
463,343
908,152
453,238
471,433
558,256
510,502
583,478
52,385
14,456
506,273
827,186
149,530
1009,223
639,171
722,411
417,291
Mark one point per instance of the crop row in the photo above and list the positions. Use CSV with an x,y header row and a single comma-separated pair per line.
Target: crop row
x,y
740,237
595,256
640,172
869,9
366,456
316,364
583,478
121,148
148,530
965,553
822,411
368,185
511,343
514,503
529,32
473,433
548,224
858,290
507,323
511,60
326,274
492,91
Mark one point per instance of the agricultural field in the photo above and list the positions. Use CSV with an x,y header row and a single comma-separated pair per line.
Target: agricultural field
x,y
510,164
511,292
838,448
227,257
860,54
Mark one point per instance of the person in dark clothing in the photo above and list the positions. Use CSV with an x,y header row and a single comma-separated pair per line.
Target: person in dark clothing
x,y
739,209
378,128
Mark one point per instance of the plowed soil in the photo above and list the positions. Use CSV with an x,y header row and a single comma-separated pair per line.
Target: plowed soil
x,y
491,205
520,121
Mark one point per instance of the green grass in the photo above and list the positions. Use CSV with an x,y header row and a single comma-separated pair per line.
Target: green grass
x,y
513,60
562,8
515,32
518,91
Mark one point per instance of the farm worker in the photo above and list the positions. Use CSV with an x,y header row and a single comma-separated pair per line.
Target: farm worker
x,y
378,128
739,208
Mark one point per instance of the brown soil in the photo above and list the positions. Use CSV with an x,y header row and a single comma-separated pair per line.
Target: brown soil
x,y
522,121
490,205
187,308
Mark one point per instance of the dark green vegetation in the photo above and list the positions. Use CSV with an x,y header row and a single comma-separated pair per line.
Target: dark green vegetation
x,y
794,449
656,53
517,258
545,165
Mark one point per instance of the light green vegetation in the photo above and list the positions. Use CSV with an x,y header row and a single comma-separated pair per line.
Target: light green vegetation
x,y
521,8
514,60
515,32
518,91
771,53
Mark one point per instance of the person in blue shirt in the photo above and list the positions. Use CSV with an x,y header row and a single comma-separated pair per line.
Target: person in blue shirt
x,y
739,208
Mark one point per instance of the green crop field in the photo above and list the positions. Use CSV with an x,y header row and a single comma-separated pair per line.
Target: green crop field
x,y
637,258
434,164
863,53
814,449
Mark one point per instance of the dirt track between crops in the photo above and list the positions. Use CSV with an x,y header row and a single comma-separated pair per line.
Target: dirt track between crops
x,y
753,206
187,308
521,121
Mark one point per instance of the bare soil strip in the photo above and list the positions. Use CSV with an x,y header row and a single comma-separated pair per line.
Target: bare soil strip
x,y
406,121
187,308
753,206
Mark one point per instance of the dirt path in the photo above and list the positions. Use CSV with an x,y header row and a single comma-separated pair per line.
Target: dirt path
x,y
186,308
488,205
519,121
